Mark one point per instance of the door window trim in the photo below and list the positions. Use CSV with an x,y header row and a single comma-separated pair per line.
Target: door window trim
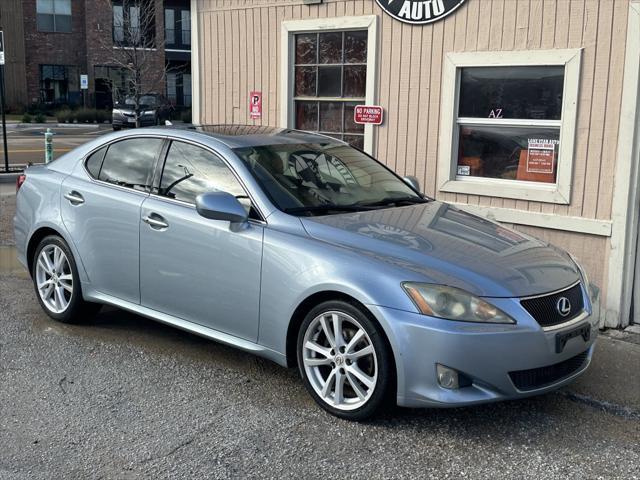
x,y
157,177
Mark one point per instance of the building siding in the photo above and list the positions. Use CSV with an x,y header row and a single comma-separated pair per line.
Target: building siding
x,y
239,51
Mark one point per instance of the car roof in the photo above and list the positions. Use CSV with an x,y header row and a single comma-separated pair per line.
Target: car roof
x,y
239,136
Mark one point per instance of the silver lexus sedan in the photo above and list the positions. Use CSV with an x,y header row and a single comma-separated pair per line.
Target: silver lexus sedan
x,y
299,248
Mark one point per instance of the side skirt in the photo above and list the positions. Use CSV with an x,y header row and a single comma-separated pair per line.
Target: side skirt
x,y
206,332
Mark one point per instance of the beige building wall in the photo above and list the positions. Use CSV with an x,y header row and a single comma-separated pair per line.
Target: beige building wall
x,y
239,50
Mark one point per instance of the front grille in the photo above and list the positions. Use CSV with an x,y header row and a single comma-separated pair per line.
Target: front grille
x,y
541,377
545,311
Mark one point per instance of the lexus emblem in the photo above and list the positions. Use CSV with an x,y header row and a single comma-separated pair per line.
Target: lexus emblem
x,y
563,306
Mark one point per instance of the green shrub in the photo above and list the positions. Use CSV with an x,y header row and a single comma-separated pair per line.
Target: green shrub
x,y
26,118
40,118
186,116
64,116
103,116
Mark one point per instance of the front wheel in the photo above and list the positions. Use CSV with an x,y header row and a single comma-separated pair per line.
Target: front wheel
x,y
57,284
344,360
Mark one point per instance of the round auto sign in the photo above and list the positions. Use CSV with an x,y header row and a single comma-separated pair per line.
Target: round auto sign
x,y
419,11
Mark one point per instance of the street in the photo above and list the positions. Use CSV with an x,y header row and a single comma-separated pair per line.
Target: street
x,y
125,397
26,142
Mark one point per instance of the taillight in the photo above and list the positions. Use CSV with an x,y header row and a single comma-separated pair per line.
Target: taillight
x,y
19,181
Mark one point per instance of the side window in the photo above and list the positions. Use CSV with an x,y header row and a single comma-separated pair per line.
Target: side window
x,y
190,170
129,163
94,162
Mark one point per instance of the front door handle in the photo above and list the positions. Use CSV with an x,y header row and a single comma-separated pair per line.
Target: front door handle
x,y
155,221
74,197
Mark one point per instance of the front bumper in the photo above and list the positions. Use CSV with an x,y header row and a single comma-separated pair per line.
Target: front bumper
x,y
129,122
485,353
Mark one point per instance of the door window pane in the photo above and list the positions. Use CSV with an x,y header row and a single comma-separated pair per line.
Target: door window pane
x,y
306,48
355,80
305,81
355,47
509,152
190,170
307,116
531,92
329,81
350,126
330,116
330,47
129,163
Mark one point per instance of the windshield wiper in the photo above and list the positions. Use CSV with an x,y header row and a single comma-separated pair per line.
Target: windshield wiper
x,y
325,208
394,201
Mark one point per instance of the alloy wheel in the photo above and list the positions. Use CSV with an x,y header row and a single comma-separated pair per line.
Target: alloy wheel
x,y
54,278
340,360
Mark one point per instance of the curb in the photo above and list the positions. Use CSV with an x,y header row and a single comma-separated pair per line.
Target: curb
x,y
9,177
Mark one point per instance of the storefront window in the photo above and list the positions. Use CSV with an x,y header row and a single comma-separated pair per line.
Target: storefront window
x,y
59,84
330,74
509,121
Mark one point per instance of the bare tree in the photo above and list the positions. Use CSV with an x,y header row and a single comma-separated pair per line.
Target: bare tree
x,y
132,47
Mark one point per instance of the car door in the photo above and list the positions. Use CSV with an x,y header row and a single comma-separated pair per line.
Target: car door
x,y
201,270
100,208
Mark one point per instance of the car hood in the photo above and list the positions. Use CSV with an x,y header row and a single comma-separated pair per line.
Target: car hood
x,y
437,243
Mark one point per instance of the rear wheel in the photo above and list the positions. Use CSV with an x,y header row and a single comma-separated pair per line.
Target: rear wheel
x,y
344,360
56,282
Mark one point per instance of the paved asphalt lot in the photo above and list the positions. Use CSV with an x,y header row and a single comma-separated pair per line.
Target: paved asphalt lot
x,y
124,397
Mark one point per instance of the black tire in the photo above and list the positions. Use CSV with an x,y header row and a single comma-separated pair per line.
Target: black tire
x,y
384,389
116,129
78,310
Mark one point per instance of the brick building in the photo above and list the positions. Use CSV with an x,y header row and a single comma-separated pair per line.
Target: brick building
x,y
64,39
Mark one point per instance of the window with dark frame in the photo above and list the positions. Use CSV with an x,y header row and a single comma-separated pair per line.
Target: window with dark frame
x,y
53,16
177,28
133,23
59,84
509,121
330,78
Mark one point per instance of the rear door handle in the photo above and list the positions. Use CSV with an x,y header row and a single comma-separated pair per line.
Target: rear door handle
x,y
74,197
155,221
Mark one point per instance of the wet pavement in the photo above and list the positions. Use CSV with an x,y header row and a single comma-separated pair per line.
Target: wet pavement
x,y
124,397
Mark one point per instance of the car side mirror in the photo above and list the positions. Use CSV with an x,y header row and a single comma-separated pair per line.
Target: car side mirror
x,y
413,182
221,206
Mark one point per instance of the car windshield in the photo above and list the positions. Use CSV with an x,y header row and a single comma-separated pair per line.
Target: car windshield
x,y
148,100
321,179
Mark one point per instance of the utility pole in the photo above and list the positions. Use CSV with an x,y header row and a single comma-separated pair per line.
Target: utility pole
x,y
4,122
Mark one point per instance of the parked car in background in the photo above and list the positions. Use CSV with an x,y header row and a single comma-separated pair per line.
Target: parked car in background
x,y
302,249
153,109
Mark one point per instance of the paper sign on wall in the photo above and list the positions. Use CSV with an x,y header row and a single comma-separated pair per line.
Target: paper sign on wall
x,y
84,81
540,156
255,105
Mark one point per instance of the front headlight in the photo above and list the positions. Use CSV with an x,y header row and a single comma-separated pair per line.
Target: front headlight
x,y
453,304
116,112
149,112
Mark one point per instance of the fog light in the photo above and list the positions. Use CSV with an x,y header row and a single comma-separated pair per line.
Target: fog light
x,y
447,377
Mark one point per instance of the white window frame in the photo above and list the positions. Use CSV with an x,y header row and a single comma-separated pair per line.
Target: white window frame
x,y
449,181
292,27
